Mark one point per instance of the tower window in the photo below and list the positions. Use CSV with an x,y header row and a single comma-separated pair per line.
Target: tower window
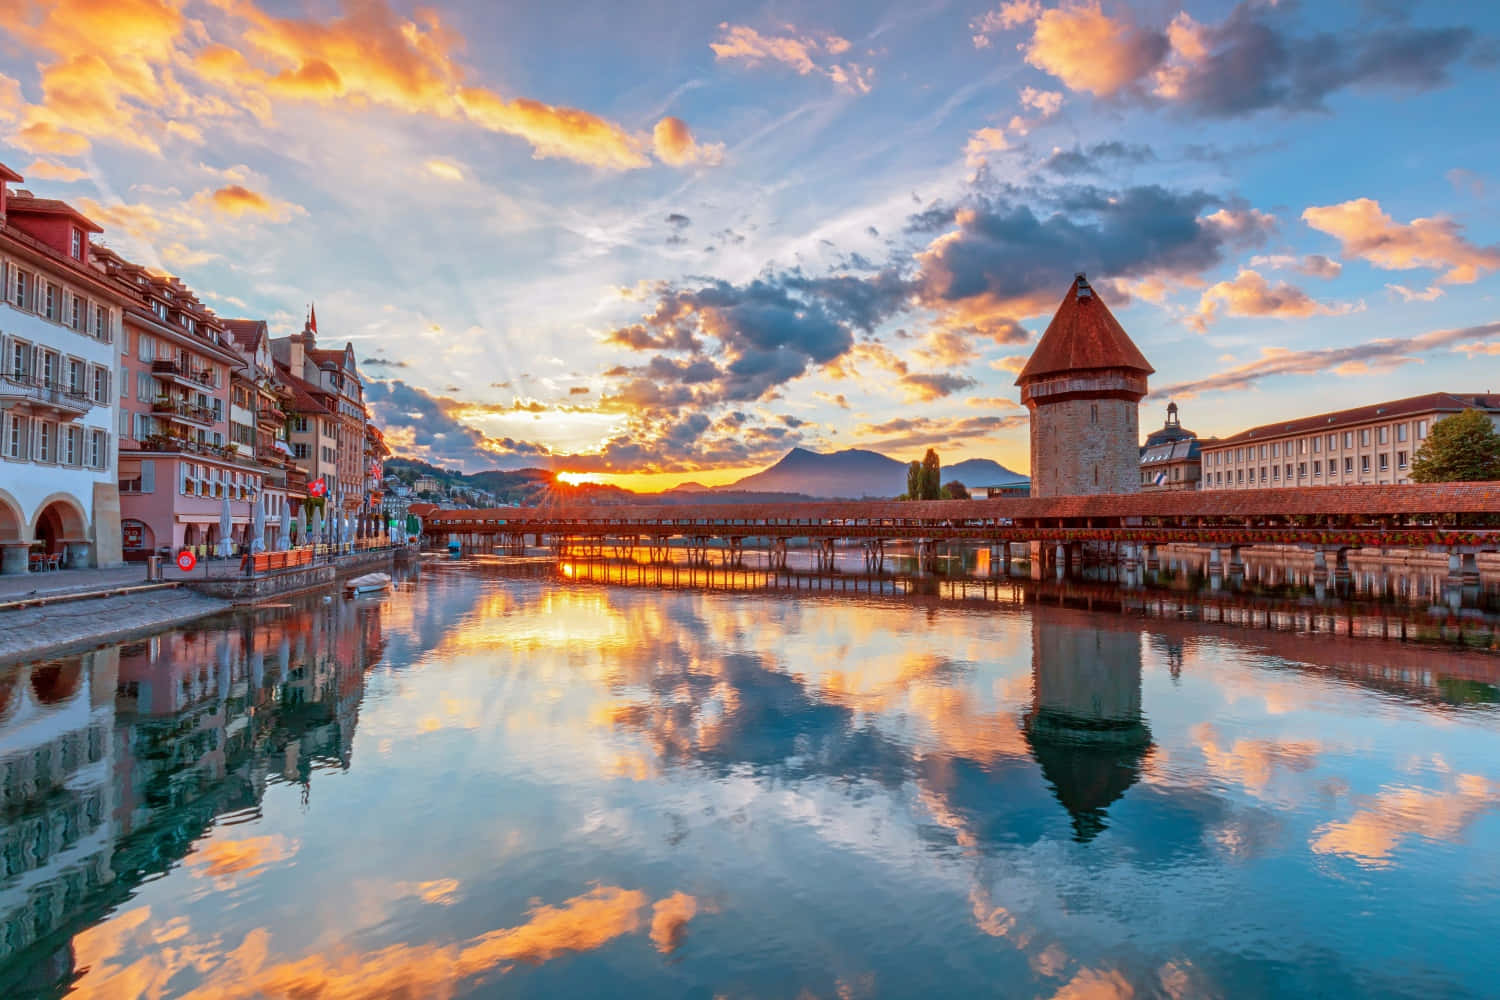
x,y
1094,419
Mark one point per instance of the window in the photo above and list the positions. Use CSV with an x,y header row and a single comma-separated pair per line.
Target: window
x,y
19,292
1301,470
80,309
1317,468
1262,451
160,308
1385,461
1400,432
299,424
75,375
1289,470
1302,446
49,369
1364,463
145,426
1262,472
1364,436
1348,466
1400,459
101,385
1240,478
145,348
1275,451
20,358
44,439
15,436
51,303
218,409
1382,436
299,450
1421,429
145,386
1276,473
70,449
77,245
1333,442
1348,439
101,323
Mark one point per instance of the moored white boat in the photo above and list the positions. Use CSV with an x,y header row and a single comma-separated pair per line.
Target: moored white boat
x,y
370,583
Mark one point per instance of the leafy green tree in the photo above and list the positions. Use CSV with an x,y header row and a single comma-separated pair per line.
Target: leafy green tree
x,y
913,481
955,490
932,476
1463,448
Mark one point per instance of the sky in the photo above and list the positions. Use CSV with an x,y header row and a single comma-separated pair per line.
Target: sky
x,y
652,243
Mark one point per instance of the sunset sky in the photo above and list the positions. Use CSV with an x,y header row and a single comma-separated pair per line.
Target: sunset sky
x,y
683,238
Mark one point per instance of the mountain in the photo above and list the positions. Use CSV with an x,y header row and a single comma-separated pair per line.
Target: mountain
x,y
856,474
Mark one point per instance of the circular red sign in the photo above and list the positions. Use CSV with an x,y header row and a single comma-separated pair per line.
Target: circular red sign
x,y
186,561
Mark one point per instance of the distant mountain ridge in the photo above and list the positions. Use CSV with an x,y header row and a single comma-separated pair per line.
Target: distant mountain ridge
x,y
855,473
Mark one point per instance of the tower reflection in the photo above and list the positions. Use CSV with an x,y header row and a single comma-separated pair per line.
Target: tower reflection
x,y
1085,727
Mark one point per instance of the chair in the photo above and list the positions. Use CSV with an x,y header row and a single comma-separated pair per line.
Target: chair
x,y
54,561
38,562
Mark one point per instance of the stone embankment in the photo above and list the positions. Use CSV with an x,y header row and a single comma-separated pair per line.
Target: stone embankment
x,y
61,626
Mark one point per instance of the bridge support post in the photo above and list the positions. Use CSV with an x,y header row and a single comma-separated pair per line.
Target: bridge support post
x,y
1236,564
1153,559
874,555
1215,568
778,555
1005,559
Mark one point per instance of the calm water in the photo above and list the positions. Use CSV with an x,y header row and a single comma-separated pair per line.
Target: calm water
x,y
482,786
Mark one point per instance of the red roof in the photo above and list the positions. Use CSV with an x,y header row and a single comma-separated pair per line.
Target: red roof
x,y
1440,402
245,331
18,204
7,174
304,393
1083,335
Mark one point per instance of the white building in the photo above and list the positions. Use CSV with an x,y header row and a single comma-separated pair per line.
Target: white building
x,y
59,501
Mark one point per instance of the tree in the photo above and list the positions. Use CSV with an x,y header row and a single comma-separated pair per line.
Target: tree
x,y
1463,448
913,481
932,476
955,490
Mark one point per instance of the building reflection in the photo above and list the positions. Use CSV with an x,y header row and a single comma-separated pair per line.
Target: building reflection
x,y
113,763
1085,727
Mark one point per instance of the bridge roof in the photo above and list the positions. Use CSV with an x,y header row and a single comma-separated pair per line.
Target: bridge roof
x,y
1444,498
1083,335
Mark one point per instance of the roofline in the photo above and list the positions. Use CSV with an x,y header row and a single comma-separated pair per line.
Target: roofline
x,y
21,205
1280,428
26,244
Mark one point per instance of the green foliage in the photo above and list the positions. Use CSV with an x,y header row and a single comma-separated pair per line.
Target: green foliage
x,y
913,481
1463,448
932,476
955,490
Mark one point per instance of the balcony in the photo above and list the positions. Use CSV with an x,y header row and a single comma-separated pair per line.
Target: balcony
x,y
184,413
44,397
176,371
174,443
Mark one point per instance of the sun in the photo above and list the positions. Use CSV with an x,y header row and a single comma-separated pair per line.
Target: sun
x,y
576,478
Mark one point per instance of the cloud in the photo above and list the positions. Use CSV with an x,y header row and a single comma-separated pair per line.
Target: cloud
x,y
1089,51
51,170
1313,264
983,142
44,137
924,388
579,390
1384,354
674,144
1096,158
921,432
1431,294
802,53
1466,182
669,920
1011,14
1368,233
383,362
1250,61
1250,294
1243,225
1046,103
238,201
444,170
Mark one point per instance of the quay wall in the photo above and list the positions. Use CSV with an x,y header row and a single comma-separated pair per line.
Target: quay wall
x,y
80,623
241,590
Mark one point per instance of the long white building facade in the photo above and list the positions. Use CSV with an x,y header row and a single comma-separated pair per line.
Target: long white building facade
x,y
59,333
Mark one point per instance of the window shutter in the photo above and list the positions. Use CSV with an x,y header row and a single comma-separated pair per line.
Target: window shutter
x,y
148,475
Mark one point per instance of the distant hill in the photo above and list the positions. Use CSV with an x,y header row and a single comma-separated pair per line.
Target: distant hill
x,y
855,473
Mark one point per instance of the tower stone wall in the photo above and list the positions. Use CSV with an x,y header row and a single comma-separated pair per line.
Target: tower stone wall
x,y
1081,446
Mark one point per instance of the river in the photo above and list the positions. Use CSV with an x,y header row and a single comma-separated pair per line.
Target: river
x,y
489,785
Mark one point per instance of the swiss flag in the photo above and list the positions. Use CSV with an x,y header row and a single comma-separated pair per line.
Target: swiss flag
x,y
318,487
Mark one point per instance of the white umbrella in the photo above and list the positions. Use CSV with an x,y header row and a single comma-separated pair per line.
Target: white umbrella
x,y
348,535
226,544
258,542
317,526
284,536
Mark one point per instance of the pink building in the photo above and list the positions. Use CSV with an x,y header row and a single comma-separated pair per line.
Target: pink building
x,y
177,463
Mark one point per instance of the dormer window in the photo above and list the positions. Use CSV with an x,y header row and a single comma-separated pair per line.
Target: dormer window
x,y
77,245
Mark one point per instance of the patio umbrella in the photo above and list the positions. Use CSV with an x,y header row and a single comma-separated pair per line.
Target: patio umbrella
x,y
258,542
302,525
226,529
317,526
284,537
348,536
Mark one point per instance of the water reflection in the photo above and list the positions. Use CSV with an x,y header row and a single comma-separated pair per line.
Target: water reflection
x,y
483,785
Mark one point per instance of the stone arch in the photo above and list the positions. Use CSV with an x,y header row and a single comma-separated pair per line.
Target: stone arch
x,y
59,517
12,522
131,528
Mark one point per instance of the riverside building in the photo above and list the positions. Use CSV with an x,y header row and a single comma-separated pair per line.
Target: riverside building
x,y
59,326
1368,445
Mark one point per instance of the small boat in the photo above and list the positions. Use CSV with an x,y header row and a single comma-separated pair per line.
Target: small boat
x,y
370,583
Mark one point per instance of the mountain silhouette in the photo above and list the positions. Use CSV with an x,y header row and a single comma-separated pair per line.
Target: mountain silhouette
x,y
856,473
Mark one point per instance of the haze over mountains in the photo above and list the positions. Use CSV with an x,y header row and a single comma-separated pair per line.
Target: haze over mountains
x,y
855,474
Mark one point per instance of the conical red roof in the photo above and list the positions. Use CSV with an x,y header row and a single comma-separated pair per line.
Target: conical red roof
x,y
1083,335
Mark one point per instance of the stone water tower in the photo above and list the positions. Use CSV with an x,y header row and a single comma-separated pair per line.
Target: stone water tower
x,y
1083,386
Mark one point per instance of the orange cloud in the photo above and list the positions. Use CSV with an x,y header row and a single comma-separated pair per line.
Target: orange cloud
x,y
799,52
981,143
51,170
675,144
1372,834
1011,14
1367,232
238,201
1088,50
227,861
43,137
1250,294
555,132
445,170
669,920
